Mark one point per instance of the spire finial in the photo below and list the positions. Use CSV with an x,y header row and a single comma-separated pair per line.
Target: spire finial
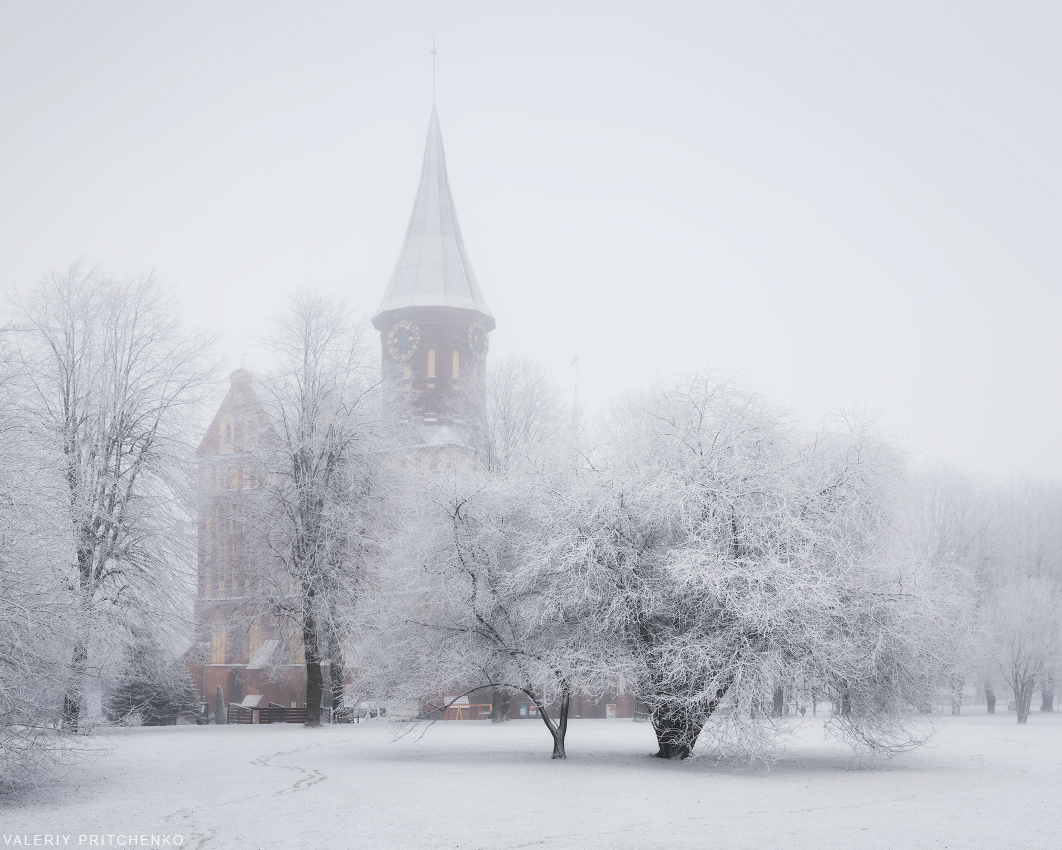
x,y
433,51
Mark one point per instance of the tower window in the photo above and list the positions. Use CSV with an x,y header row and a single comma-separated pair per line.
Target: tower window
x,y
228,437
457,364
250,432
431,362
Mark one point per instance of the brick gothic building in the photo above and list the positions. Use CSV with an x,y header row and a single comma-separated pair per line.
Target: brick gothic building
x,y
234,645
434,329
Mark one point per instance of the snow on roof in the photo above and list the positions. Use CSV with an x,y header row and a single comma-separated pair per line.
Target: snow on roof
x,y
433,268
264,653
441,435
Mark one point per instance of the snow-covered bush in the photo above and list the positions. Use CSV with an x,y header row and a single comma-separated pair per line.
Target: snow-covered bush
x,y
153,688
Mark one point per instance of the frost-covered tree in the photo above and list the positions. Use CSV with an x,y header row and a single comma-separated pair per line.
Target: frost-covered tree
x,y
1026,634
1005,541
522,414
1023,589
952,521
522,424
473,597
36,633
318,464
110,386
461,603
719,550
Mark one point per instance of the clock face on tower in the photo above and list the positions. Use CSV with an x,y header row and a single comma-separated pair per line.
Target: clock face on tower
x,y
478,340
402,340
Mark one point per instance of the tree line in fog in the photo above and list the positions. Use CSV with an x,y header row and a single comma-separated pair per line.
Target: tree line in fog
x,y
694,545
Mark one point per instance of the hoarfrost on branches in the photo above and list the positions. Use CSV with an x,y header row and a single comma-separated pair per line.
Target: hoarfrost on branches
x,y
721,554
317,460
712,555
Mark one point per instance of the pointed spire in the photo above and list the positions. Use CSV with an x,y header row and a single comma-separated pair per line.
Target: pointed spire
x,y
433,268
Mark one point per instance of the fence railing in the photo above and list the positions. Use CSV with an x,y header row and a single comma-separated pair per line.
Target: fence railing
x,y
272,713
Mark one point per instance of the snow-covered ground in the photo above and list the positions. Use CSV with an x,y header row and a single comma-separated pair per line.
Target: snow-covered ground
x,y
983,782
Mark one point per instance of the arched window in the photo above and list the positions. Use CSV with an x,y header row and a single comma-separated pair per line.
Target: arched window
x,y
235,685
228,436
254,639
431,362
222,569
457,364
217,642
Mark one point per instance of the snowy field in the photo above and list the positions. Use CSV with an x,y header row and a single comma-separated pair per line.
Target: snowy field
x,y
984,782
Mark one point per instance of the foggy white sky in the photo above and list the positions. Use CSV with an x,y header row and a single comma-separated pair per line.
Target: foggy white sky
x,y
846,205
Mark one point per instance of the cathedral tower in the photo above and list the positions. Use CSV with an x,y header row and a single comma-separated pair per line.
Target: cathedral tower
x,y
433,321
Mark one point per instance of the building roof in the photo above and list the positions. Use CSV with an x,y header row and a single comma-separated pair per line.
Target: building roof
x,y
239,400
433,269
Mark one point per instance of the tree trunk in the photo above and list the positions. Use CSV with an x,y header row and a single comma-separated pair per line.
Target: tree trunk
x,y
678,728
312,652
219,707
75,692
1047,693
499,705
676,732
560,729
1023,698
779,701
73,697
336,673
990,698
